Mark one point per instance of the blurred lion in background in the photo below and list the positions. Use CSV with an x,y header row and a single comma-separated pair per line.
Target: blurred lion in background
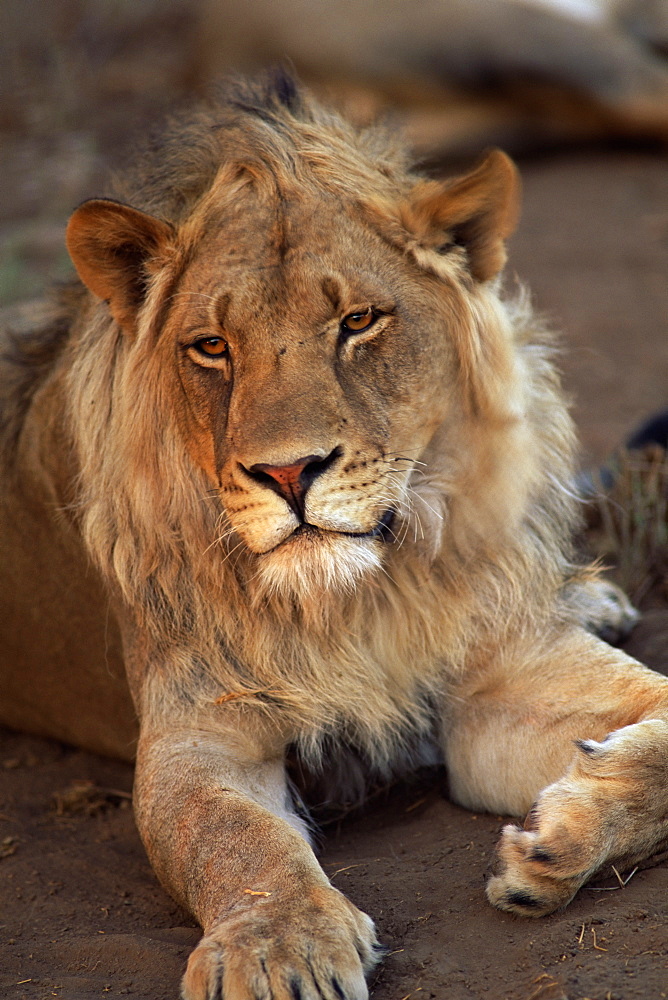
x,y
460,76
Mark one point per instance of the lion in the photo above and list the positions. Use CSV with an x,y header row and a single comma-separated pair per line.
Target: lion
x,y
291,477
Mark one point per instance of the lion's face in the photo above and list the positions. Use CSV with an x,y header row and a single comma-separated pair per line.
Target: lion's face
x,y
313,377
310,359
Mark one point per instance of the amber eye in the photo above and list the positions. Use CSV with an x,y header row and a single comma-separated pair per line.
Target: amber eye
x,y
357,322
212,347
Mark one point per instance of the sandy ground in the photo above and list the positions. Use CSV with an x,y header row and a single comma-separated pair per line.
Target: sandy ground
x,y
81,914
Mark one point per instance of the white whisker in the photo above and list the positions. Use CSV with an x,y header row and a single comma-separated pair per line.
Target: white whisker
x,y
434,512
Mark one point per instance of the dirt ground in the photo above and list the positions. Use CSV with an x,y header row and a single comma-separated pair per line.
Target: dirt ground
x,y
81,914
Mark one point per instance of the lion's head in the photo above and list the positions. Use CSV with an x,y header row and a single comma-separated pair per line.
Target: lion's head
x,y
297,324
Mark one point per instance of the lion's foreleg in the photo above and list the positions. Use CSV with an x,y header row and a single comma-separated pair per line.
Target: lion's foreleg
x,y
220,832
578,736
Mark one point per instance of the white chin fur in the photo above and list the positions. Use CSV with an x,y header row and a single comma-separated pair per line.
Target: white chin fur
x,y
308,565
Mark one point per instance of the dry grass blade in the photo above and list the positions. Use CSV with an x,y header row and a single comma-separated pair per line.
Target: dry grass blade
x,y
628,522
252,693
84,796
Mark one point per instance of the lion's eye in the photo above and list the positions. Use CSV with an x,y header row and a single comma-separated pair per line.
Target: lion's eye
x,y
357,322
212,347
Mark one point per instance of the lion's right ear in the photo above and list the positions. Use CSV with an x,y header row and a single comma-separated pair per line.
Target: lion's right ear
x,y
112,247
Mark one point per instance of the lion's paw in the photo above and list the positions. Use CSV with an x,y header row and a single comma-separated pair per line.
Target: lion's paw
x,y
316,949
612,804
637,752
603,608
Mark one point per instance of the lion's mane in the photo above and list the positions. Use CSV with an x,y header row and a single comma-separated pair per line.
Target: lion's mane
x,y
488,521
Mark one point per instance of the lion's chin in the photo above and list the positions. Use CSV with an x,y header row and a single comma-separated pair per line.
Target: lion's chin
x,y
312,562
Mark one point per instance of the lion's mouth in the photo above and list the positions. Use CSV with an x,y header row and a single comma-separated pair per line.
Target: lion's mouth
x,y
382,531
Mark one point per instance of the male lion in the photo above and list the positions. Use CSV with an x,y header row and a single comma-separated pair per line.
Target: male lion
x,y
287,440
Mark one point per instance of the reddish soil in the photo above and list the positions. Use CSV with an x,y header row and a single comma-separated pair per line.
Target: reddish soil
x,y
82,915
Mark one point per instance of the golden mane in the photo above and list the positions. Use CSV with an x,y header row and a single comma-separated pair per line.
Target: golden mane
x,y
490,515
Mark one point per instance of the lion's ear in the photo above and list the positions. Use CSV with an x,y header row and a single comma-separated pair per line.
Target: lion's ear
x,y
477,212
112,246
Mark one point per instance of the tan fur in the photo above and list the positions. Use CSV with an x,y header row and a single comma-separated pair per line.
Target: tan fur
x,y
451,628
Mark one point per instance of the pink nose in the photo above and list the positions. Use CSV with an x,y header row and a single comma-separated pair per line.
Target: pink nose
x,y
292,481
287,479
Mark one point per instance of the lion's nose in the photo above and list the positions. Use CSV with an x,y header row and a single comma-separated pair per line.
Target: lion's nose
x,y
293,481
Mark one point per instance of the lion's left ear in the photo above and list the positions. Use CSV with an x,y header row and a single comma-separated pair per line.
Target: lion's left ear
x,y
477,212
112,246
